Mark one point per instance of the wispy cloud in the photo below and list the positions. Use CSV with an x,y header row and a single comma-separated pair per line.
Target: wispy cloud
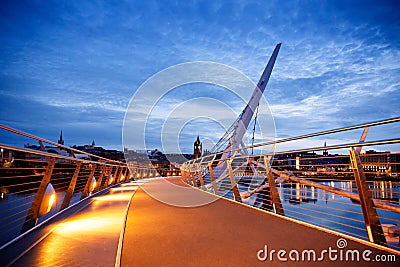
x,y
72,62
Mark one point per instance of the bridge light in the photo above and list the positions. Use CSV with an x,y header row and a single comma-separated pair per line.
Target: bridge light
x,y
122,177
92,184
111,179
47,201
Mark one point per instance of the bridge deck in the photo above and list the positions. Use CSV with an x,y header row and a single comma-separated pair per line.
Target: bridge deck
x,y
221,233
88,238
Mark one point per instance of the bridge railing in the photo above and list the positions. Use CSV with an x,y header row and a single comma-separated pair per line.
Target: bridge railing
x,y
336,187
36,184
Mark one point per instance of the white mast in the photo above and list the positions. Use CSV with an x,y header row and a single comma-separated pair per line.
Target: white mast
x,y
245,117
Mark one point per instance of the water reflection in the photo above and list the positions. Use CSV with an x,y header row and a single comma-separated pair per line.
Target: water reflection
x,y
297,193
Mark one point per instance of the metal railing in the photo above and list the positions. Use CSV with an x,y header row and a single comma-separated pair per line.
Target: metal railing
x,y
37,184
336,187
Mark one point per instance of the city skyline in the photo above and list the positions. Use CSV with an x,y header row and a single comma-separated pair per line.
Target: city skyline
x,y
75,66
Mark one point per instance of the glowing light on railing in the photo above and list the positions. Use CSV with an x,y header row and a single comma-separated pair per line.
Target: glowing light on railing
x,y
111,179
47,201
122,177
92,184
138,175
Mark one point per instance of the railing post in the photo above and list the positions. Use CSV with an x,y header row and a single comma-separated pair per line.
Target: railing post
x,y
187,177
371,218
200,176
276,200
71,187
85,192
108,172
214,184
120,174
193,176
101,177
33,213
126,173
115,175
234,185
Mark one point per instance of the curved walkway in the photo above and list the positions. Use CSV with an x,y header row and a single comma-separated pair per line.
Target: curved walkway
x,y
222,233
87,238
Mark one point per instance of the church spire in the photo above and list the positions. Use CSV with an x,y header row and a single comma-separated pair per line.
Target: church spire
x,y
325,152
61,141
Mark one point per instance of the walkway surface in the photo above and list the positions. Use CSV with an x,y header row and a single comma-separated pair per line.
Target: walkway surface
x,y
90,237
222,233
181,233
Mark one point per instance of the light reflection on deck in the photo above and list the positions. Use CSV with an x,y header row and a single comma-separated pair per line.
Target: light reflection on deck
x,y
88,238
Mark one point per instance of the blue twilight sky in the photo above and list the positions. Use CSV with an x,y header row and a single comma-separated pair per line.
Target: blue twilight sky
x,y
74,65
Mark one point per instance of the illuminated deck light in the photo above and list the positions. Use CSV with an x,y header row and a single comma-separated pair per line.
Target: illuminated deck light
x,y
92,184
47,201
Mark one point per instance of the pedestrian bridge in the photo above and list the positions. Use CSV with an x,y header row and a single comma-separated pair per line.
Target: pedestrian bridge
x,y
125,226
59,210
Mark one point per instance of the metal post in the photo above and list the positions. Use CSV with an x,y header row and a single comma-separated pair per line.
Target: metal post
x,y
371,218
276,200
102,173
127,172
115,175
187,174
234,185
33,212
214,184
108,171
200,176
85,192
71,187
120,173
193,179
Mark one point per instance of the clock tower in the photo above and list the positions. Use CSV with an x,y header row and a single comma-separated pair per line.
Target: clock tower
x,y
197,148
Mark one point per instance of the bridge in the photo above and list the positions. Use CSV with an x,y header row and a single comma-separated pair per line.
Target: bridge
x,y
241,205
57,209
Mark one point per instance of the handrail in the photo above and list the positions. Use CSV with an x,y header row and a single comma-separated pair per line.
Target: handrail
x,y
305,136
12,130
35,184
46,154
287,180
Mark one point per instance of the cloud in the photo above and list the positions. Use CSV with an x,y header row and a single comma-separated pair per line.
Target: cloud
x,y
64,62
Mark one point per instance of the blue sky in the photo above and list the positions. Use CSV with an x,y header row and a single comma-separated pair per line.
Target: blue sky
x,y
75,65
